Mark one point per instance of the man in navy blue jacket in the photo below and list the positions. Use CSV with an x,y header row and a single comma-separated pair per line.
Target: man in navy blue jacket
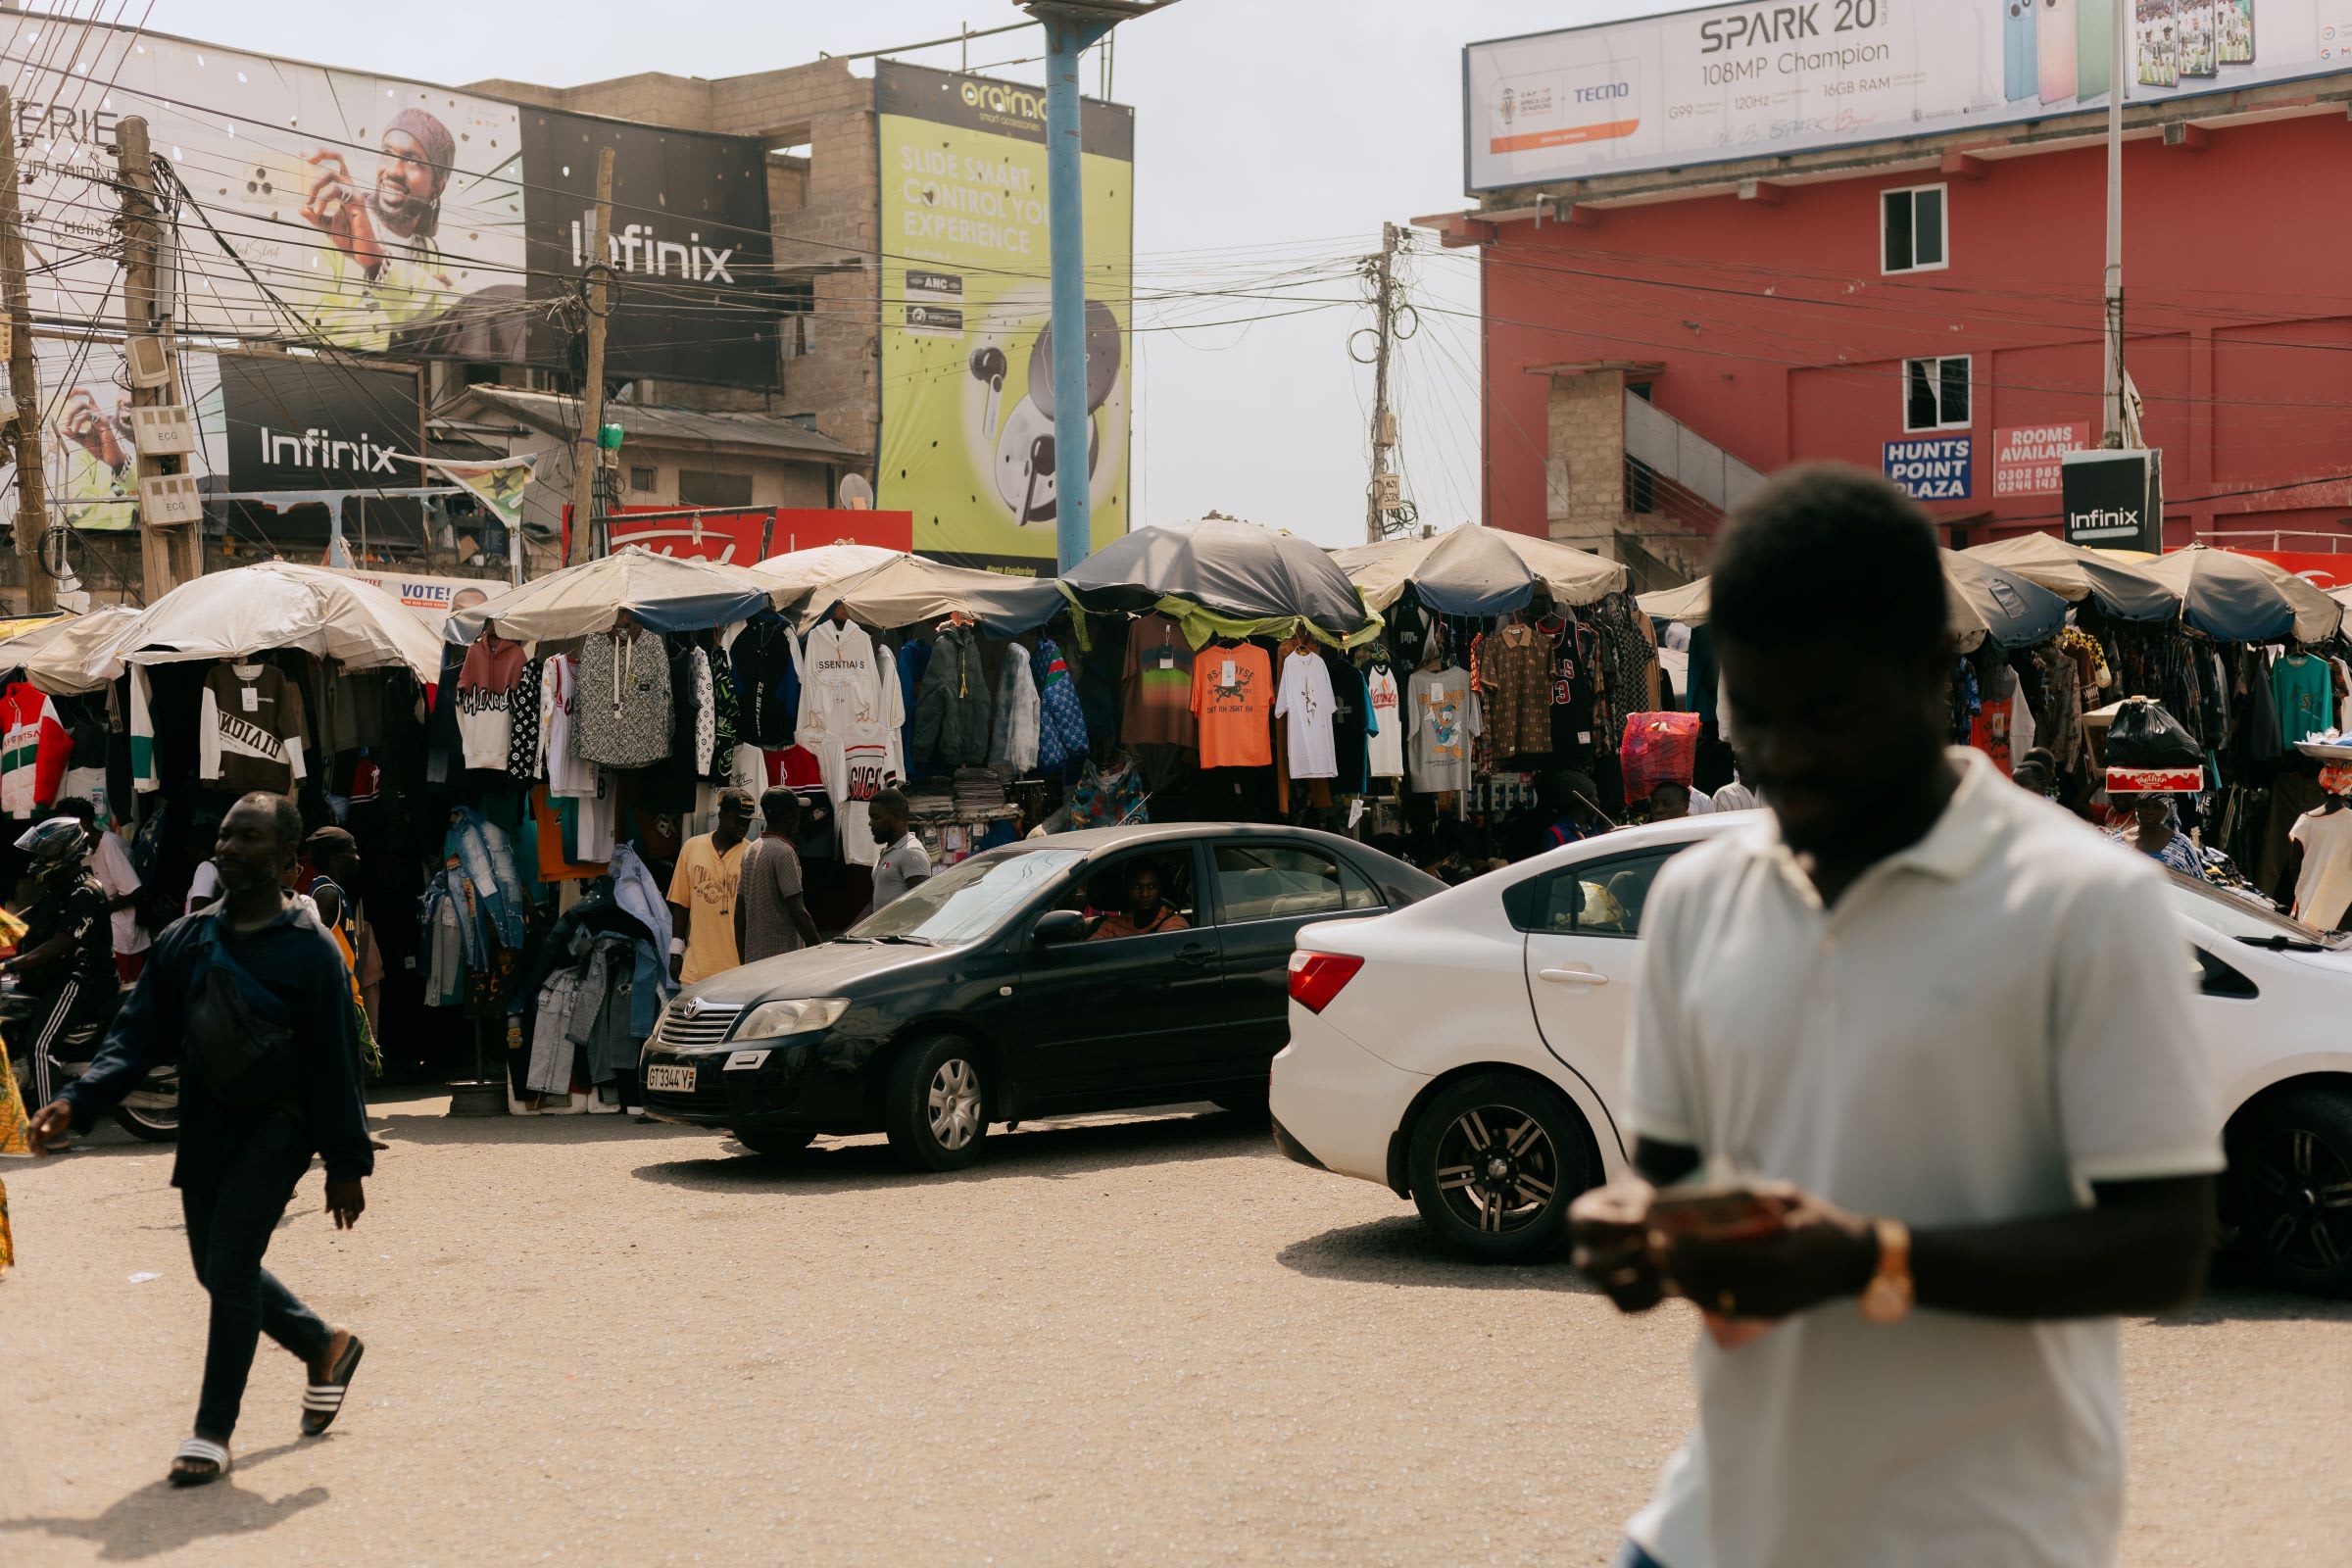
x,y
237,1168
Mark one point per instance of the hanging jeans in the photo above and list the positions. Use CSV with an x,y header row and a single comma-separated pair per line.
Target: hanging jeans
x,y
229,1224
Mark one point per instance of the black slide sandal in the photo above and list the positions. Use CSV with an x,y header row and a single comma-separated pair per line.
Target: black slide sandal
x,y
321,1402
205,1451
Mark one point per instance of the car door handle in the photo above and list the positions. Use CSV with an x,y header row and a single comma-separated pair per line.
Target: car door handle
x,y
1574,977
1195,955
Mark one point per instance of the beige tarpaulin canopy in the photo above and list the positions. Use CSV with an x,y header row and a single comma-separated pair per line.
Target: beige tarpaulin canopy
x,y
251,609
2120,586
1983,601
1473,565
800,571
55,653
662,593
905,590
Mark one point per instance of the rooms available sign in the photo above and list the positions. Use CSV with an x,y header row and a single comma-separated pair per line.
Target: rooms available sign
x,y
1933,468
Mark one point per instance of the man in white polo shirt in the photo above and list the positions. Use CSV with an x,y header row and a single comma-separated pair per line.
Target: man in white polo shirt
x,y
1932,1035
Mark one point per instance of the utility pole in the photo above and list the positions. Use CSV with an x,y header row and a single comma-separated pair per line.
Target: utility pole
x,y
2112,337
24,380
165,552
587,451
1383,422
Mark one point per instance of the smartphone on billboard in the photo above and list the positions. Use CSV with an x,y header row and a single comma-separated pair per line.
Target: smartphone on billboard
x,y
2197,47
2335,28
2159,44
2094,47
2238,33
2019,71
2054,48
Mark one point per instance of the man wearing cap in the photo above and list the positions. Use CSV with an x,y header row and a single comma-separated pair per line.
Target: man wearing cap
x,y
384,268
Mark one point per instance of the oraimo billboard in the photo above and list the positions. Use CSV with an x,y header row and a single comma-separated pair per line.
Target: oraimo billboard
x,y
968,390
1797,75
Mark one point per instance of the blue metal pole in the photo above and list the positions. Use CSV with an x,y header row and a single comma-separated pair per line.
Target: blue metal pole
x,y
1066,38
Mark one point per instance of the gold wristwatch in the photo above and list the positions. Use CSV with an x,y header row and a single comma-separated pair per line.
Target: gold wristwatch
x,y
1888,1297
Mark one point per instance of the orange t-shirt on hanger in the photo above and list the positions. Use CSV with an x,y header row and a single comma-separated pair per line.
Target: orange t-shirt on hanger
x,y
1233,698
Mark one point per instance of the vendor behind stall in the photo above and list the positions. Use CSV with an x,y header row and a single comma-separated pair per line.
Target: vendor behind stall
x,y
2155,832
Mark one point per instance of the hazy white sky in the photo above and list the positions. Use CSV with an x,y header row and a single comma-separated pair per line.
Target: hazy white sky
x,y
1270,136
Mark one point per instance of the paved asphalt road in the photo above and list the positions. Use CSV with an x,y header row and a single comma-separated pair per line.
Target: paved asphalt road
x,y
1116,1339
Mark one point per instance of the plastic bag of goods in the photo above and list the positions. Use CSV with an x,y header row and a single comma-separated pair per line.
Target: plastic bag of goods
x,y
1657,749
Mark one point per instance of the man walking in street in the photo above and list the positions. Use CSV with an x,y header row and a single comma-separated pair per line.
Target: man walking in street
x,y
1932,1039
258,964
702,894
771,915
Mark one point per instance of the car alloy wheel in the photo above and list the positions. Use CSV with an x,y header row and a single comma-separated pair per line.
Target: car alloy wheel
x,y
953,1104
2300,1190
1497,1169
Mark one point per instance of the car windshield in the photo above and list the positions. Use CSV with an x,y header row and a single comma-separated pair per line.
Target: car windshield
x,y
966,900
2243,920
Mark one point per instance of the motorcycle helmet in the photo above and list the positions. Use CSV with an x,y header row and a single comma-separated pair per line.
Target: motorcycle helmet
x,y
60,841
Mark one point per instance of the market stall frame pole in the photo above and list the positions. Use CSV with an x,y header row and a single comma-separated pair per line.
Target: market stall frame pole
x,y
24,380
586,453
2113,332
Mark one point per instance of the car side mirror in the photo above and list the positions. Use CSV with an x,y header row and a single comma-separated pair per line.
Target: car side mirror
x,y
1057,926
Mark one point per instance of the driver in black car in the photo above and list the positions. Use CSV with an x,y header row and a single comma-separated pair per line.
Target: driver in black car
x,y
1146,913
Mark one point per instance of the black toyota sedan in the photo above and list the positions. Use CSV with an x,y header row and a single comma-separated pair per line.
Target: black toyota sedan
x,y
1109,969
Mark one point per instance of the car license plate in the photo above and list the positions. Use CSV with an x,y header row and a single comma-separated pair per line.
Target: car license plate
x,y
670,1079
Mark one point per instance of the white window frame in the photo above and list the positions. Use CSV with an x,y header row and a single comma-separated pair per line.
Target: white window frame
x,y
1943,200
1940,361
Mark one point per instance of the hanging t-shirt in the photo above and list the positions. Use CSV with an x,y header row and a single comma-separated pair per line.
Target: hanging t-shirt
x,y
859,760
1304,698
2323,887
34,753
704,885
1387,747
110,863
1233,692
568,775
1156,681
1445,720
2304,688
1988,731
1575,648
485,692
249,730
767,684
1350,720
621,717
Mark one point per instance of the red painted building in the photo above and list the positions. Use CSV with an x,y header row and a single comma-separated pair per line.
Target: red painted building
x,y
1942,291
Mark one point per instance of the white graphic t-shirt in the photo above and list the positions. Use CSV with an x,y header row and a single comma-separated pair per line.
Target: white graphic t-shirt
x,y
1385,748
1304,699
859,760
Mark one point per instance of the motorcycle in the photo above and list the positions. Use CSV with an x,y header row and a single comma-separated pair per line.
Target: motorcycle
x,y
149,1112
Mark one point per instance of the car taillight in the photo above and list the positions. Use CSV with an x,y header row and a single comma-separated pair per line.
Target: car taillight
x,y
1317,977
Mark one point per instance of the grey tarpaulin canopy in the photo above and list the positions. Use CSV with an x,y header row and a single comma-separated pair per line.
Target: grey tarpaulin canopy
x,y
907,589
53,655
2233,598
274,604
662,593
1983,600
2122,588
1235,571
1476,570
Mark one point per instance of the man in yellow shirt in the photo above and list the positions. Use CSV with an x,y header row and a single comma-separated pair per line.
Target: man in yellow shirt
x,y
384,267
702,894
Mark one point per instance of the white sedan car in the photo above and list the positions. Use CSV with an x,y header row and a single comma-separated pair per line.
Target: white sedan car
x,y
1467,1052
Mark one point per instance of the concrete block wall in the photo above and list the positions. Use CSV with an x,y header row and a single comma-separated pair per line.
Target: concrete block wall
x,y
1584,464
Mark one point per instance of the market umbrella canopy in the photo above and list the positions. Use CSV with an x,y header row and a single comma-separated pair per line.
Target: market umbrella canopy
x,y
1982,600
1235,569
662,593
799,571
1476,570
275,605
2244,599
2120,588
55,652
905,590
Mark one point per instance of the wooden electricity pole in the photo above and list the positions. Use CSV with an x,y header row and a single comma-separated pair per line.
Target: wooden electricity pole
x,y
165,552
24,380
1383,421
587,452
